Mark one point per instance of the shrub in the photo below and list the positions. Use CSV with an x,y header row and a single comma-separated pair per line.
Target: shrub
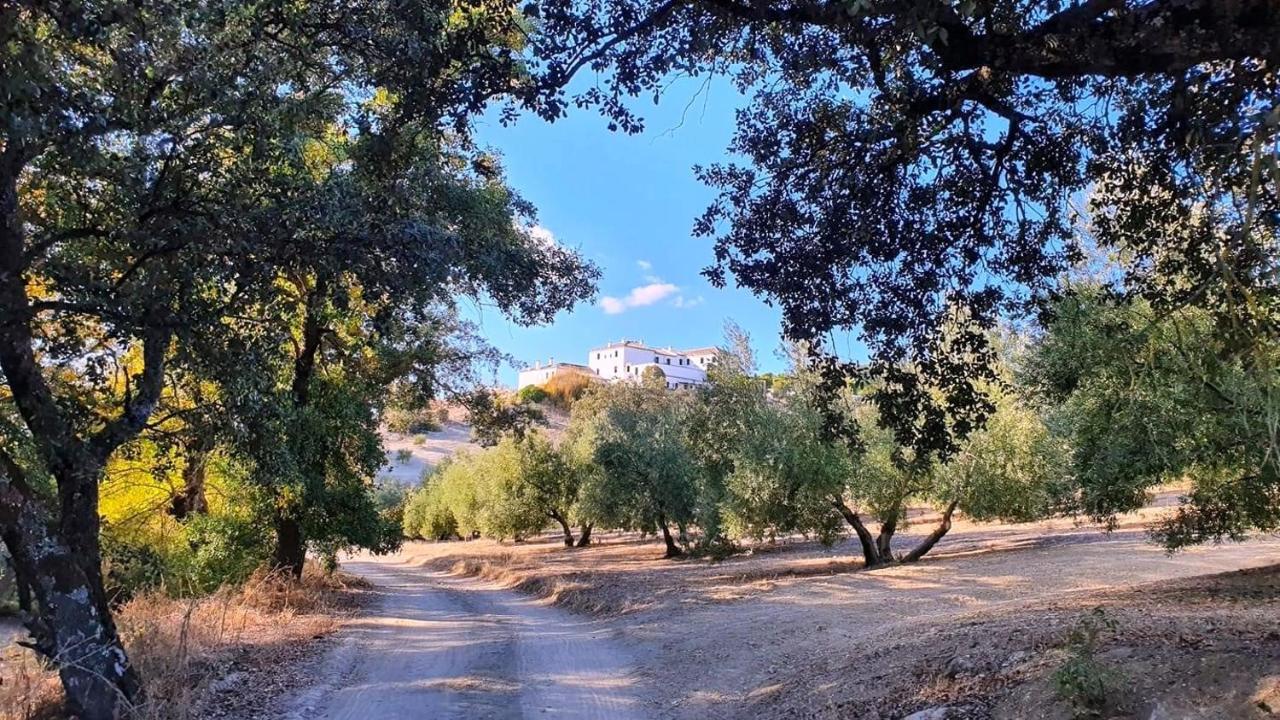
x,y
412,422
1083,681
130,566
427,516
225,550
563,389
532,394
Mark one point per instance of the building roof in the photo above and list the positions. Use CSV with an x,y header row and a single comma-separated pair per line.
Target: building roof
x,y
638,345
701,350
555,365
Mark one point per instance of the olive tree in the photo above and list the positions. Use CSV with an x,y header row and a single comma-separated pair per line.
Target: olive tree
x,y
644,474
1150,396
900,158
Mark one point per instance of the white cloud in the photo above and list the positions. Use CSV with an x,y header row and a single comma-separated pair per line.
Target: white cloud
x,y
543,235
638,297
645,265
684,302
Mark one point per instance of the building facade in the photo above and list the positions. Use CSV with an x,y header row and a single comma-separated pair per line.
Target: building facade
x,y
540,373
628,360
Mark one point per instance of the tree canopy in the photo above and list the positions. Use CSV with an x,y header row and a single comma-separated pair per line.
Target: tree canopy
x,y
905,166
282,199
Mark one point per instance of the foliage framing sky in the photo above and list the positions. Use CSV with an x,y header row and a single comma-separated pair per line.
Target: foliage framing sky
x,y
628,202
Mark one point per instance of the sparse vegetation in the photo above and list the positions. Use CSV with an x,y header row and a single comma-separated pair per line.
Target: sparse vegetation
x,y
564,389
182,645
1083,680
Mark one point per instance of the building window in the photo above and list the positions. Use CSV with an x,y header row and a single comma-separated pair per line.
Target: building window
x,y
655,359
668,361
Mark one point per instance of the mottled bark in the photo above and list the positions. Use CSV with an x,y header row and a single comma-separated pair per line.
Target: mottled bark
x,y
61,555
66,623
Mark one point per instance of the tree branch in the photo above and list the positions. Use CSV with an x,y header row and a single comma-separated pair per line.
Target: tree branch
x,y
142,402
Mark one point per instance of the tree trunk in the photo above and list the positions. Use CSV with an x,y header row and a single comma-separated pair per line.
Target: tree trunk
x,y
191,499
21,581
884,540
673,550
870,553
61,556
291,543
564,527
584,539
927,544
291,549
69,626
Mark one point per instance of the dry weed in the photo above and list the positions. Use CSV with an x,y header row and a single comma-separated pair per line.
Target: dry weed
x,y
182,646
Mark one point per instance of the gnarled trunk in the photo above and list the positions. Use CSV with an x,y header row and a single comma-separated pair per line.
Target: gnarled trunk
x,y
60,556
290,553
870,551
927,544
673,550
584,539
70,623
884,540
564,527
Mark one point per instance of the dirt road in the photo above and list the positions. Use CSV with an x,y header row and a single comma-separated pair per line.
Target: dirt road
x,y
727,640
437,648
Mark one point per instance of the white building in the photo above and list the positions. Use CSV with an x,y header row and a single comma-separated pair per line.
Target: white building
x,y
702,357
540,373
628,360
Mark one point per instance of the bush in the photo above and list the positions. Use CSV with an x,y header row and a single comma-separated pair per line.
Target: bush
x,y
427,516
1083,681
441,415
225,550
532,394
130,567
412,422
563,389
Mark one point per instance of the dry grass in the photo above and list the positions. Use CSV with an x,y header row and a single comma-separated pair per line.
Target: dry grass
x,y
183,647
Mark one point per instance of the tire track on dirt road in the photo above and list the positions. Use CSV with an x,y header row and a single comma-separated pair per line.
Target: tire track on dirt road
x,y
437,647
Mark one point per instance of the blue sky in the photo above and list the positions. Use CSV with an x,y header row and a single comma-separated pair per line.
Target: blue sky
x,y
628,202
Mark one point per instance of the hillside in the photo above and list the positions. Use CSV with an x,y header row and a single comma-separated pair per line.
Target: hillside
x,y
426,451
